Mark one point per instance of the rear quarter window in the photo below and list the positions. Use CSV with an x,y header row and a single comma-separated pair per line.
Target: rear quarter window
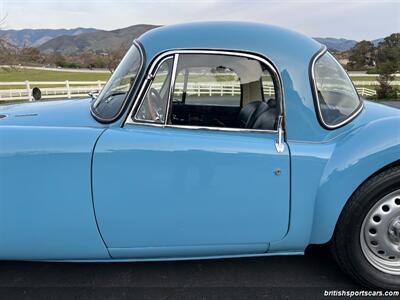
x,y
337,100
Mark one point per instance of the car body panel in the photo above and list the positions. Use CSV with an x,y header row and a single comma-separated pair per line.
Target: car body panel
x,y
374,144
46,208
63,113
325,175
179,190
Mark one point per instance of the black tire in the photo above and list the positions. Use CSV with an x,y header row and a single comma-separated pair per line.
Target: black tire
x,y
346,243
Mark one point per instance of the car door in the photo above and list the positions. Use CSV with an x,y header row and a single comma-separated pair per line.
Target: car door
x,y
162,190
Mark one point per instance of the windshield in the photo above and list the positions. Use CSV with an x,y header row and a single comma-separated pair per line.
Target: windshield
x,y
112,96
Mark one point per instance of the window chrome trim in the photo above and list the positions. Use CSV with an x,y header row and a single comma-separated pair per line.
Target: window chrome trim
x,y
171,87
157,61
313,82
210,128
129,92
220,128
150,77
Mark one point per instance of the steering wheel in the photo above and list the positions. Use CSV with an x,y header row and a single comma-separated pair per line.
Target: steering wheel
x,y
154,105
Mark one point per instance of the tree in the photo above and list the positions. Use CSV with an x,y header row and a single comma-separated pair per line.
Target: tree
x,y
388,54
56,59
3,47
361,56
113,59
87,59
30,55
387,63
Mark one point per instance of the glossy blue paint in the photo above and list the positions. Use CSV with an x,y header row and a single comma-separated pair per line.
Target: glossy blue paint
x,y
163,193
46,209
326,174
373,144
184,188
67,113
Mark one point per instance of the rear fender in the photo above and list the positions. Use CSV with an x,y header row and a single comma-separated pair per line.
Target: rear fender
x,y
354,159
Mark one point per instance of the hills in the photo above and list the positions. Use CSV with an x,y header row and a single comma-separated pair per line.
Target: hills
x,y
78,40
106,41
37,37
6,46
341,45
98,41
335,44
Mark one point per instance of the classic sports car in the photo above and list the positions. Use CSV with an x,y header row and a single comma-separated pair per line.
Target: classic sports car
x,y
210,140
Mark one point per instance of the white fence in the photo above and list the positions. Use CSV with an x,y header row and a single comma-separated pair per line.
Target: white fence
x,y
362,91
75,89
232,89
374,82
227,88
59,89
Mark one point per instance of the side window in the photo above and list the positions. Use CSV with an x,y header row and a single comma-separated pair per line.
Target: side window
x,y
218,86
337,98
225,91
154,105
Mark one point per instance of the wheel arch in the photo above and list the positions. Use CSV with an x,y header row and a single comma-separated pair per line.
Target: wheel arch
x,y
355,159
323,234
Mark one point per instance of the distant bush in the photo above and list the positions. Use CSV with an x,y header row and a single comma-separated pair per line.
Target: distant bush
x,y
372,71
385,90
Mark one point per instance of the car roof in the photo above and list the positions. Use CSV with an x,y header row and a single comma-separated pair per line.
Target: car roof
x,y
275,43
291,52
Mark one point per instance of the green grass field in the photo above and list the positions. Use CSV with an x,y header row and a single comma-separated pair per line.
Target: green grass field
x,y
7,75
363,78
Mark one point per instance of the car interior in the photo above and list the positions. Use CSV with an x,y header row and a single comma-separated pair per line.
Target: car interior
x,y
215,91
248,107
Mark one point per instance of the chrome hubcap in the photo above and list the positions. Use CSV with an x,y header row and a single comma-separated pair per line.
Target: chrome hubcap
x,y
380,234
394,231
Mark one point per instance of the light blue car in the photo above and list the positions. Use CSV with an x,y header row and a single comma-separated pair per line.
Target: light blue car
x,y
210,140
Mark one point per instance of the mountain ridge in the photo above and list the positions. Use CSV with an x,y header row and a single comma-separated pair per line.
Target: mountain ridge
x,y
99,41
36,37
78,40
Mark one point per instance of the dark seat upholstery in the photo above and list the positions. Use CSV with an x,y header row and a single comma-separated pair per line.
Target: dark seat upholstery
x,y
257,115
267,119
245,114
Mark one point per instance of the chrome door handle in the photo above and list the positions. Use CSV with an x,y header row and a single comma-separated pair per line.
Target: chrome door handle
x,y
279,145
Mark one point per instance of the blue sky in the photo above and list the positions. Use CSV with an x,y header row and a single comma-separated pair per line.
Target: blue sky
x,y
353,19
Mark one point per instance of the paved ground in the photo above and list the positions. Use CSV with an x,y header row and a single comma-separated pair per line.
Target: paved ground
x,y
280,277
297,277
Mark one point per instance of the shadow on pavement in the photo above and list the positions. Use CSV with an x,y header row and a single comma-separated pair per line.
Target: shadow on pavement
x,y
278,277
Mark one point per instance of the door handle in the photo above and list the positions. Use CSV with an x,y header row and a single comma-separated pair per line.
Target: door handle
x,y
279,145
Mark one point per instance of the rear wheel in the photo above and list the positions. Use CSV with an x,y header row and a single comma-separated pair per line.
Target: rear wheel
x,y
367,237
380,234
